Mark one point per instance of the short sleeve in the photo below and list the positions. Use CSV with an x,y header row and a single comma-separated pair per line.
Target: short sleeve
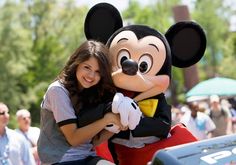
x,y
210,125
58,101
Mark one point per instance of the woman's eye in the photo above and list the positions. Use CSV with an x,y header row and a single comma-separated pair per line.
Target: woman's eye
x,y
98,73
145,63
86,67
122,56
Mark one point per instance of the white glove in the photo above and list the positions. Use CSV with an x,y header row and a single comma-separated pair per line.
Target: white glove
x,y
129,111
117,100
115,104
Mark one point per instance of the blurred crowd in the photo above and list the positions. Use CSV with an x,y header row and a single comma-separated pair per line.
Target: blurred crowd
x,y
207,118
19,146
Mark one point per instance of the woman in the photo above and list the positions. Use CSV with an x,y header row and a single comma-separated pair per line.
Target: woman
x,y
85,82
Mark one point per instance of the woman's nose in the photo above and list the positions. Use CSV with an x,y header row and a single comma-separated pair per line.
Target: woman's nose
x,y
91,74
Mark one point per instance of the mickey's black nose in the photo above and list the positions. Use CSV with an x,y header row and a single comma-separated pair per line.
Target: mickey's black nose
x,y
129,67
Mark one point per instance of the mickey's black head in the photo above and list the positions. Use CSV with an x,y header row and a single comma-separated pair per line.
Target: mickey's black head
x,y
185,41
141,56
143,32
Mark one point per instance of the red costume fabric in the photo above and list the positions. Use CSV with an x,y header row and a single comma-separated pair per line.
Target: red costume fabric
x,y
140,156
103,151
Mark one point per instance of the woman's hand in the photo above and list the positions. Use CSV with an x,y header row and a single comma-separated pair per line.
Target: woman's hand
x,y
112,118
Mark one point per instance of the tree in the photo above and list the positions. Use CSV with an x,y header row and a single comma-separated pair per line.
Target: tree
x,y
157,15
14,53
57,31
214,19
228,62
37,37
15,56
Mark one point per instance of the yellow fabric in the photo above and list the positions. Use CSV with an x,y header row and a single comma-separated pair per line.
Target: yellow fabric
x,y
148,107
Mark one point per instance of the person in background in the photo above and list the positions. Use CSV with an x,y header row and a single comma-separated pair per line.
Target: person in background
x,y
199,123
14,150
84,82
229,107
221,117
31,134
176,113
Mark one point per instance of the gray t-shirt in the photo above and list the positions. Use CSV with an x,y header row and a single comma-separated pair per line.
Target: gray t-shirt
x,y
220,118
57,110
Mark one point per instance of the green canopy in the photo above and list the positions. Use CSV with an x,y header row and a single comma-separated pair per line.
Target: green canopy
x,y
218,85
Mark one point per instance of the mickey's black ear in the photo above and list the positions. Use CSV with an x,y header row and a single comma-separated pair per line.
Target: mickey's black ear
x,y
187,43
102,21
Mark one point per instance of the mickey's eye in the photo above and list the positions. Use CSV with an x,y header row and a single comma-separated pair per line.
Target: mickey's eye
x,y
145,63
122,56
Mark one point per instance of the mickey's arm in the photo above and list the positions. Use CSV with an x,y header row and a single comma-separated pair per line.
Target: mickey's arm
x,y
159,125
89,115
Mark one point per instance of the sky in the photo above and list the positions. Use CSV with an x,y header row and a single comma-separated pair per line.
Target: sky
x,y
120,4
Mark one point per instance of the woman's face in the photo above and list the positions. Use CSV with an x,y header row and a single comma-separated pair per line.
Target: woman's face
x,y
88,73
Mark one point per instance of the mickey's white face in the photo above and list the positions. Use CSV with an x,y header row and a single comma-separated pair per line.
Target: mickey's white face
x,y
149,53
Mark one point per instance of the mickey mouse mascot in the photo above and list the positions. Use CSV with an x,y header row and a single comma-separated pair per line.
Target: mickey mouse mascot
x,y
142,58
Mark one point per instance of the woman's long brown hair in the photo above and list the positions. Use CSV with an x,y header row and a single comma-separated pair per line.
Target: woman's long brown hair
x,y
105,87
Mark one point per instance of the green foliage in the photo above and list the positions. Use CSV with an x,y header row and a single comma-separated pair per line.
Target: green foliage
x,y
37,37
157,14
214,19
14,53
228,62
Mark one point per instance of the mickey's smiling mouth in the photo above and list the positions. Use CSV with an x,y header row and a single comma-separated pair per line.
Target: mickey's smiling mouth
x,y
127,93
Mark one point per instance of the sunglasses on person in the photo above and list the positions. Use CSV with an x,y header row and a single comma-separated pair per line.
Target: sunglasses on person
x,y
3,113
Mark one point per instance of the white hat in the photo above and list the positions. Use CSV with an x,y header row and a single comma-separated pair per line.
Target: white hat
x,y
214,98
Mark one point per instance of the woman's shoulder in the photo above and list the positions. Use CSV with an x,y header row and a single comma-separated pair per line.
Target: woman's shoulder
x,y
57,86
56,83
55,90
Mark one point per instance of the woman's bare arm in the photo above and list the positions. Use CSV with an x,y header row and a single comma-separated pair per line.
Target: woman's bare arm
x,y
76,136
104,135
